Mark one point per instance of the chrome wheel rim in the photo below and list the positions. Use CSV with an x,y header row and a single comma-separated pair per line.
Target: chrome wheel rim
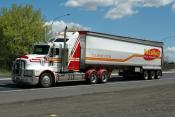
x,y
93,78
104,78
46,81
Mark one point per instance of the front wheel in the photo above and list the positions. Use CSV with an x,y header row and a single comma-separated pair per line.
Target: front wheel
x,y
46,80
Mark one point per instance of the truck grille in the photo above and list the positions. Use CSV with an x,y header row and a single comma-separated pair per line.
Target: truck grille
x,y
19,65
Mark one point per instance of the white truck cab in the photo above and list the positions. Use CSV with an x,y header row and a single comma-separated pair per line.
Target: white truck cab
x,y
44,62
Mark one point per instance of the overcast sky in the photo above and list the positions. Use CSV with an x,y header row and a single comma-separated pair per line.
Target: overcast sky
x,y
147,19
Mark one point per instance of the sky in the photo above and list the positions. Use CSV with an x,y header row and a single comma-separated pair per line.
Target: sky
x,y
145,19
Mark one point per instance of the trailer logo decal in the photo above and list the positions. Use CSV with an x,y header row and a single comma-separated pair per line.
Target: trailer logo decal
x,y
151,54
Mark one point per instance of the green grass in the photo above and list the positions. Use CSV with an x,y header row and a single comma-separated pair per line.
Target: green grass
x,y
5,72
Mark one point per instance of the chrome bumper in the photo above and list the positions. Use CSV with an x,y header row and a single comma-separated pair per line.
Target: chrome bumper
x,y
21,75
28,80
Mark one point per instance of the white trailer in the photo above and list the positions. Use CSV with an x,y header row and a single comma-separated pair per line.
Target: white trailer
x,y
91,56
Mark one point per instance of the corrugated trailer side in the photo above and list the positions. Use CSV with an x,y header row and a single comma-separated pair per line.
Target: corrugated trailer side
x,y
110,51
101,49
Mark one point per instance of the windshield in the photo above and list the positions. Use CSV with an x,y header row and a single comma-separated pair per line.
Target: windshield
x,y
51,40
58,40
41,49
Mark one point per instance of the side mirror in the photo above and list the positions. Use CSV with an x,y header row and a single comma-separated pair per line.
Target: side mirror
x,y
53,52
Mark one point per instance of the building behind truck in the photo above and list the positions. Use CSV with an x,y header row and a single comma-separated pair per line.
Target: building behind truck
x,y
91,56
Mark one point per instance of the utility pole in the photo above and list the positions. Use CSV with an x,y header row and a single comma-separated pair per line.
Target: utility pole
x,y
64,59
56,19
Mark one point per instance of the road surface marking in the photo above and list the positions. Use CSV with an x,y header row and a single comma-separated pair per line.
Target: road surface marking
x,y
168,72
5,78
53,115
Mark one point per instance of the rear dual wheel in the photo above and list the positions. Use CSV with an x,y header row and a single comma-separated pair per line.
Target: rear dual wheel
x,y
93,77
152,74
155,74
145,75
103,77
158,74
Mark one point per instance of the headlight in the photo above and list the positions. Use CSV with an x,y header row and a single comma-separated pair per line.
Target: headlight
x,y
28,72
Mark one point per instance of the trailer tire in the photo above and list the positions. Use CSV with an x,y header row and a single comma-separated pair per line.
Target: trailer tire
x,y
152,75
158,74
46,80
145,75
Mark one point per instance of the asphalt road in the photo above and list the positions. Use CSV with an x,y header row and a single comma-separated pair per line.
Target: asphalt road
x,y
78,99
7,85
10,92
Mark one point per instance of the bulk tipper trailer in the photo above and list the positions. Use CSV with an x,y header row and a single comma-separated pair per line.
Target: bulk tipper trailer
x,y
88,55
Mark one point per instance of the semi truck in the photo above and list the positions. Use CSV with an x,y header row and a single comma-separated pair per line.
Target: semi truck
x,y
88,55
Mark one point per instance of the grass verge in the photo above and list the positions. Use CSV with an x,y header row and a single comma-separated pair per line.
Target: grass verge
x,y
5,72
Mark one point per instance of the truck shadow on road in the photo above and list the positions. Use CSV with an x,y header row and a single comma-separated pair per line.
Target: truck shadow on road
x,y
76,83
9,85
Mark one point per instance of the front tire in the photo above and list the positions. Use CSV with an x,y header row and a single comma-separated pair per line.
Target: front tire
x,y
46,80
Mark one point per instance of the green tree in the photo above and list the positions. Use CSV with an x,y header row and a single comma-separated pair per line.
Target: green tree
x,y
20,28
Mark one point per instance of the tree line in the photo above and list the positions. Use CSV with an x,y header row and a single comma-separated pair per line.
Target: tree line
x,y
20,28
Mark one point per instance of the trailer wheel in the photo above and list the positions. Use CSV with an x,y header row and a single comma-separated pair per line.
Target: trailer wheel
x,y
152,75
145,75
103,77
46,80
158,74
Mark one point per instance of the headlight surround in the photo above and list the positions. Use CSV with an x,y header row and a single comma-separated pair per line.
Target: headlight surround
x,y
28,72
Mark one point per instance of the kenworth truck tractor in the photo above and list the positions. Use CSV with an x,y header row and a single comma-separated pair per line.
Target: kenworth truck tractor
x,y
88,55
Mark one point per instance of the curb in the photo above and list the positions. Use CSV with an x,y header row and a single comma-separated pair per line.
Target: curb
x,y
169,72
5,79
